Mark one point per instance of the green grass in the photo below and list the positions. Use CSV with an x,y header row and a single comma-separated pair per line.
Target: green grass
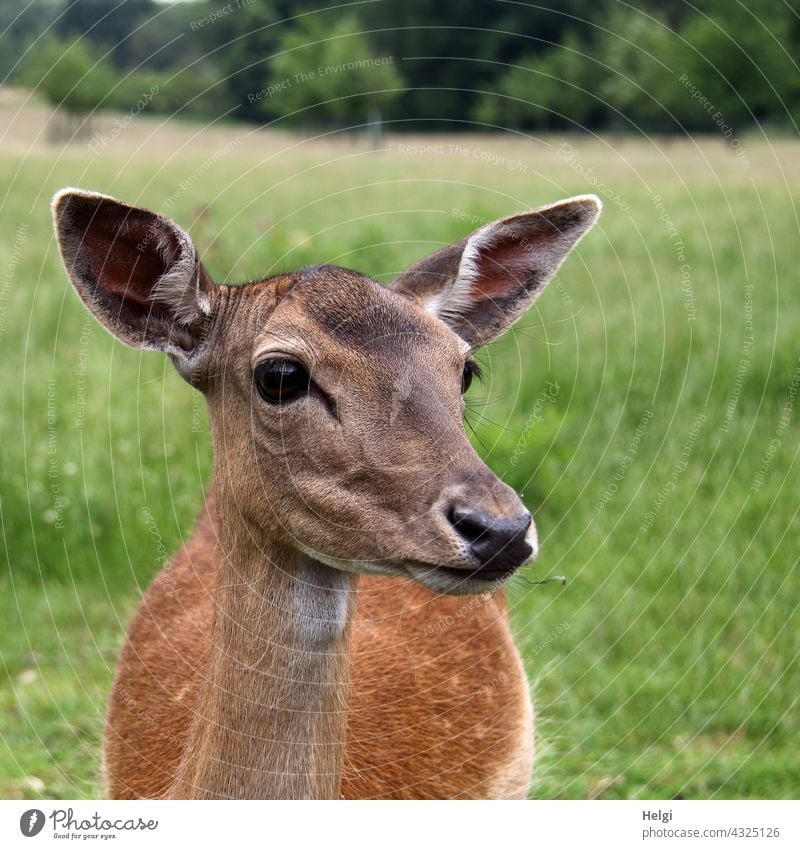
x,y
668,665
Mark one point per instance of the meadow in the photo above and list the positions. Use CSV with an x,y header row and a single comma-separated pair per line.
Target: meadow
x,y
646,409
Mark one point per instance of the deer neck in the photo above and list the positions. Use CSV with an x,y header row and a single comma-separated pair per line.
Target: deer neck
x,y
271,716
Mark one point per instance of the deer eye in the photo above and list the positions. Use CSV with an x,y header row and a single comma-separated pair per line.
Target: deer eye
x,y
471,369
281,381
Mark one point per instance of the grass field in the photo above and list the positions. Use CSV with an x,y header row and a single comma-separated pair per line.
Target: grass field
x,y
646,409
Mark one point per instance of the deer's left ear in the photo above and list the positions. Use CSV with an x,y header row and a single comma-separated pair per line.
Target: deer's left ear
x,y
483,284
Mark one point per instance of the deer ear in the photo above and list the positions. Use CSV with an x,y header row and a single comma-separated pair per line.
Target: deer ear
x,y
483,284
137,272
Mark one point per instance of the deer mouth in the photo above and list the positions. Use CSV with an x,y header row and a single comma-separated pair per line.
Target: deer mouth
x,y
493,575
466,580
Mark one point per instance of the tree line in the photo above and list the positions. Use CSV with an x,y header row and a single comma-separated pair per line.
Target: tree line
x,y
640,66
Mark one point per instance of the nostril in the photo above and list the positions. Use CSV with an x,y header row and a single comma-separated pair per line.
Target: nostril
x,y
470,524
524,522
495,541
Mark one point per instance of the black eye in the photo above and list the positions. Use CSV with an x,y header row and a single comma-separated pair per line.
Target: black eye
x,y
471,369
280,381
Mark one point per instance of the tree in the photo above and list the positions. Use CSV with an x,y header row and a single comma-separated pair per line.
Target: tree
x,y
72,79
453,49
240,45
20,22
165,40
184,92
552,90
329,73
743,60
642,84
110,26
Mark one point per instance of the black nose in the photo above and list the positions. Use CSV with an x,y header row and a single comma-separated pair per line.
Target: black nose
x,y
497,543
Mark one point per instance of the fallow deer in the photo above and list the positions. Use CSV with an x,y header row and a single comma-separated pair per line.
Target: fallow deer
x,y
311,639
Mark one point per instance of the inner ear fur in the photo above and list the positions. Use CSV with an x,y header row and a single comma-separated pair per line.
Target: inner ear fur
x,y
137,271
484,283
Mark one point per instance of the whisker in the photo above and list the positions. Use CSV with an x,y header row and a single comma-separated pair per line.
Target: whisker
x,y
476,434
484,418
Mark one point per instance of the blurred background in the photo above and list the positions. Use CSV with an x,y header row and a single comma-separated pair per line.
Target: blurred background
x,y
646,408
459,65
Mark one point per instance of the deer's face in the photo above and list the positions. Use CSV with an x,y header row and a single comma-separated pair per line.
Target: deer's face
x,y
347,400
337,404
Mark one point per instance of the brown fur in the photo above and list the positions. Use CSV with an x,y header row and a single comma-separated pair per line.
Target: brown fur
x,y
438,705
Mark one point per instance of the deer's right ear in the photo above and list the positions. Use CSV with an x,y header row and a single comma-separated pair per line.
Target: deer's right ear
x,y
136,271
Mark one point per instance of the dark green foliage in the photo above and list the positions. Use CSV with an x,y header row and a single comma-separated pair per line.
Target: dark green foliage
x,y
72,77
647,66
240,45
329,74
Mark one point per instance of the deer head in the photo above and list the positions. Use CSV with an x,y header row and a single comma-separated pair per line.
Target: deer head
x,y
336,403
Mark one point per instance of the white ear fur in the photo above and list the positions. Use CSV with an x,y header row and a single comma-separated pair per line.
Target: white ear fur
x,y
456,298
179,287
452,300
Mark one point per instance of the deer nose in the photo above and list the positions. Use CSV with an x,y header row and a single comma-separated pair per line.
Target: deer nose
x,y
497,543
